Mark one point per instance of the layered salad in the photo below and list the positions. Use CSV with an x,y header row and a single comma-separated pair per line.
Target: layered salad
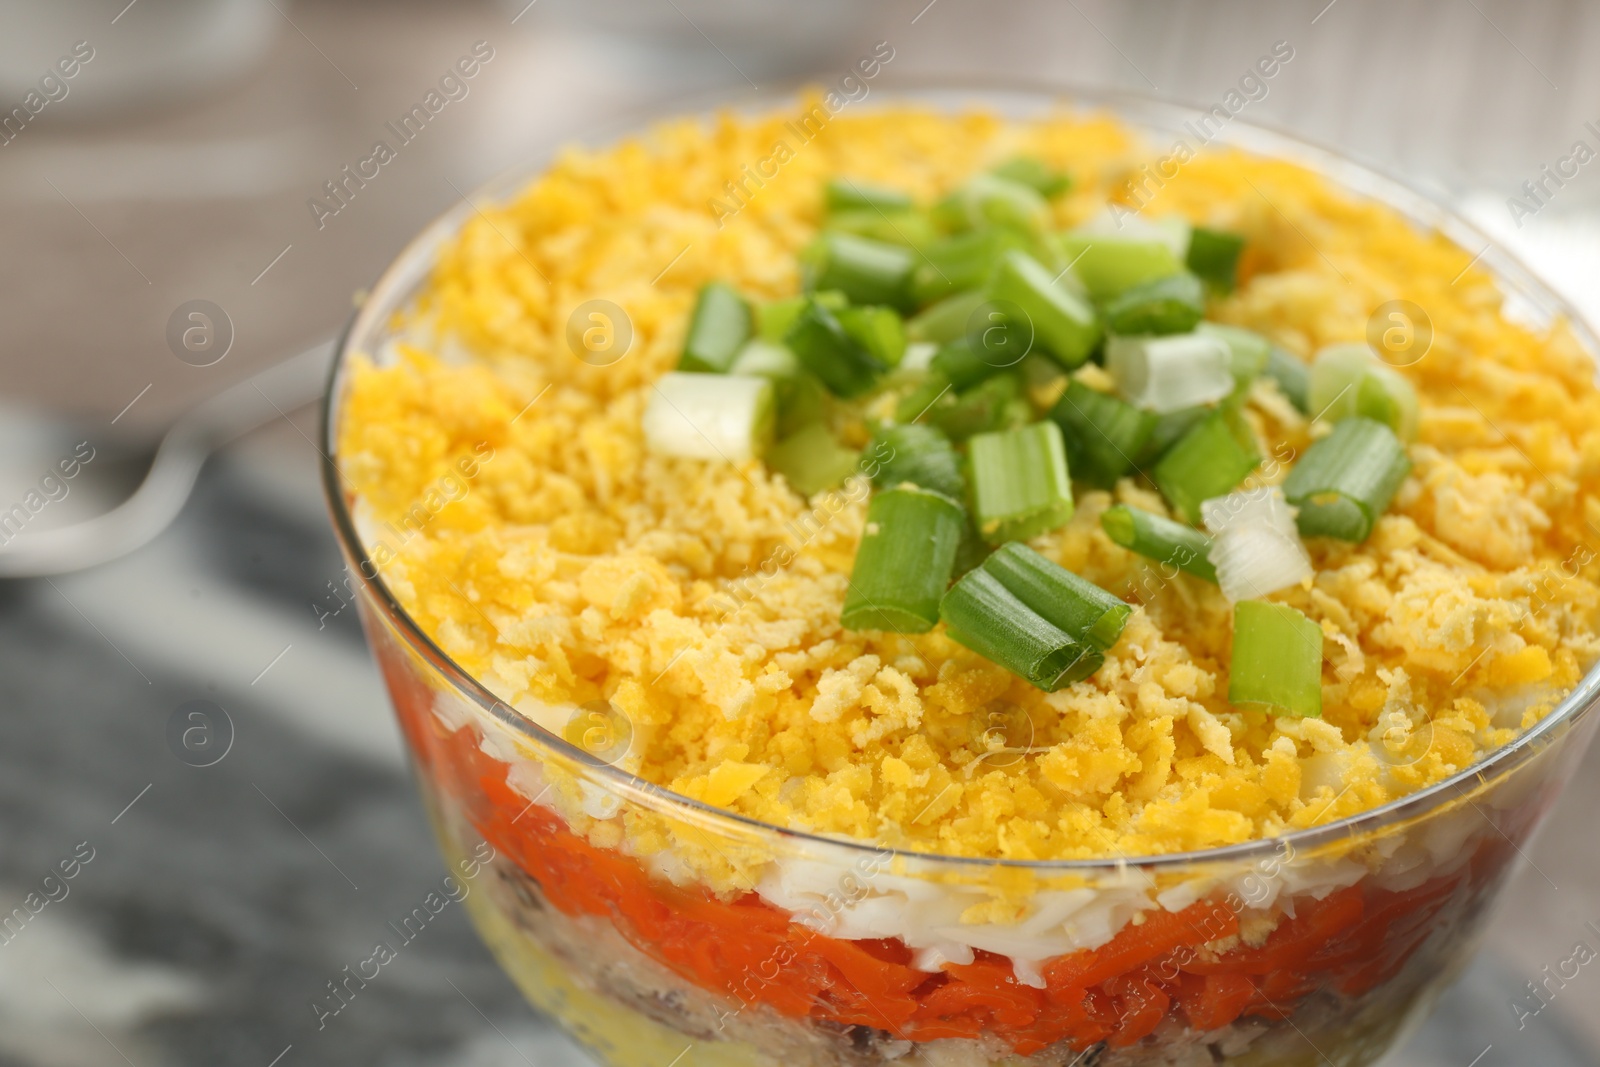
x,y
947,571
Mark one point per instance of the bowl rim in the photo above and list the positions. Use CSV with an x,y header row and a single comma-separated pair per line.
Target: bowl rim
x,y
399,279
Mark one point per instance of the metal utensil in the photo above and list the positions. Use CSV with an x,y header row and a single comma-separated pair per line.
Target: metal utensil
x,y
176,464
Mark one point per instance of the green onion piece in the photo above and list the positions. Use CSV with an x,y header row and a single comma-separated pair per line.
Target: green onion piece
x,y
1166,432
1347,379
1160,539
1386,396
1248,351
1346,480
1207,461
1167,374
801,399
993,404
1214,256
903,565
762,359
931,390
1109,265
1063,599
1292,376
828,351
848,194
972,551
1104,435
865,271
1062,323
946,320
881,331
709,416
1174,304
718,327
918,357
921,455
1277,659
774,319
1020,485
986,617
911,229
961,365
989,200
959,262
1034,173
812,459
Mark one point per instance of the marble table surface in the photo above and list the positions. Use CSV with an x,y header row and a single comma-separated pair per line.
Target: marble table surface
x,y
217,901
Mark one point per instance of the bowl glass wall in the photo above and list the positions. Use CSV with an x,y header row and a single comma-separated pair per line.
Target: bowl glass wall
x,y
1369,918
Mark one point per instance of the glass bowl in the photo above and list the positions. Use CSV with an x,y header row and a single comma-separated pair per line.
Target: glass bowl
x,y
1320,947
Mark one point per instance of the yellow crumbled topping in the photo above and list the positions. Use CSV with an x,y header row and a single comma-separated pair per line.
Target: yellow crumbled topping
x,y
702,599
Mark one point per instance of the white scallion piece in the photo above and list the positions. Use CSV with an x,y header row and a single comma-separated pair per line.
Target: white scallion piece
x,y
1171,230
1255,545
1165,374
1349,379
709,416
918,357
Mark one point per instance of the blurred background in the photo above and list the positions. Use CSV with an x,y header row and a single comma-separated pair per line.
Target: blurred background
x,y
168,175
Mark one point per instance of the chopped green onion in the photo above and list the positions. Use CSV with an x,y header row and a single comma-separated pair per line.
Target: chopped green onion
x,y
847,194
959,262
1248,351
972,551
1174,304
1167,374
1277,659
1346,480
910,229
812,459
865,271
1034,173
993,404
986,617
1347,379
916,403
919,357
718,327
774,319
921,455
1254,544
1214,256
903,565
709,416
827,350
880,330
1166,432
1020,485
1063,599
762,359
962,366
946,320
1386,396
1110,264
989,200
801,399
1292,376
1208,461
1122,223
1062,322
1103,434
1160,539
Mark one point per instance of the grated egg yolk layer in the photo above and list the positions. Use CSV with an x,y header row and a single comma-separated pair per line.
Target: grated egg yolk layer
x,y
512,507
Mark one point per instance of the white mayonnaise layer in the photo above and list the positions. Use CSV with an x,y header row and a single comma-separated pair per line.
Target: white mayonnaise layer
x,y
853,894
